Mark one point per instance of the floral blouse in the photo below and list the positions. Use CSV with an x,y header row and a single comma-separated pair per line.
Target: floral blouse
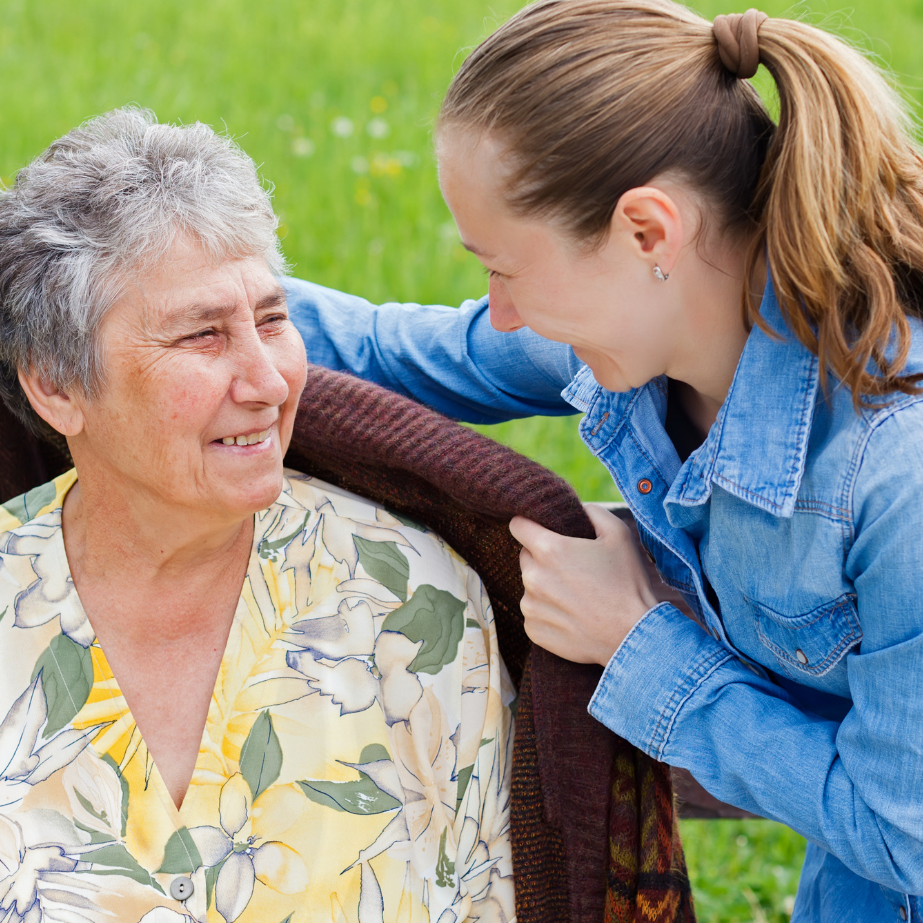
x,y
355,762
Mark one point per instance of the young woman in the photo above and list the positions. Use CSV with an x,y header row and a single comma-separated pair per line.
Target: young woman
x,y
735,308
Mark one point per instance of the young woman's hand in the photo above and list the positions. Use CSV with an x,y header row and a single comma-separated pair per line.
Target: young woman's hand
x,y
582,596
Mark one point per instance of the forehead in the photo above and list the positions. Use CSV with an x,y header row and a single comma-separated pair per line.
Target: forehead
x,y
470,160
189,285
474,173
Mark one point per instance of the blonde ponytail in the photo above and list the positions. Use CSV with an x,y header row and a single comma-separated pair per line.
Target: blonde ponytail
x,y
595,97
840,202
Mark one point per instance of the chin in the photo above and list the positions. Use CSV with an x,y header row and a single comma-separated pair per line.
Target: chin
x,y
255,495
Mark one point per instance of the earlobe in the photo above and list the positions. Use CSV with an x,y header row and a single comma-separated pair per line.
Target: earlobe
x,y
56,407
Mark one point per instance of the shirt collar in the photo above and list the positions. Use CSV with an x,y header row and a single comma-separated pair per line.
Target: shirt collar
x,y
757,447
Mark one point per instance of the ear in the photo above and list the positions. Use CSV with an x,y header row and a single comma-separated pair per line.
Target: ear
x,y
652,224
57,408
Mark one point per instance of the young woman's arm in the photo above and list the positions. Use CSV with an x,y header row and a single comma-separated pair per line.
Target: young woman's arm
x,y
851,786
448,358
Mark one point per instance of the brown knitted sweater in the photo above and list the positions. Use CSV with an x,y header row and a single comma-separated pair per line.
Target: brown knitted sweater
x,y
592,818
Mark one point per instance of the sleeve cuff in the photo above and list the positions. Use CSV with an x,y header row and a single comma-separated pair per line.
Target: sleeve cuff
x,y
663,660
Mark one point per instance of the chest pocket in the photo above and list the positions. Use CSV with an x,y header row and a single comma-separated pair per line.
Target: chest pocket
x,y
812,644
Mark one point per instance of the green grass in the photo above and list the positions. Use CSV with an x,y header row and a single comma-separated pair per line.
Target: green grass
x,y
742,870
335,99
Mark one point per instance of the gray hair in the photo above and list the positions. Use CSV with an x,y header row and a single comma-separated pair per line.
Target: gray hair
x,y
111,197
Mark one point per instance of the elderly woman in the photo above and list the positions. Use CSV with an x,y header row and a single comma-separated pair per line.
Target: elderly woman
x,y
230,692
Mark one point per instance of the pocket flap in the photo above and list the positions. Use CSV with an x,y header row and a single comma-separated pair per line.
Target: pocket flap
x,y
813,642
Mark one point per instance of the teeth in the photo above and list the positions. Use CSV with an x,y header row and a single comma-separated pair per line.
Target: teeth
x,y
252,439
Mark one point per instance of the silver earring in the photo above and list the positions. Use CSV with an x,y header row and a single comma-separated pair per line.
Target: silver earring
x,y
660,275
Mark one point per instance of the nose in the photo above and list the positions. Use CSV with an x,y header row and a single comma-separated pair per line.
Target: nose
x,y
503,313
258,379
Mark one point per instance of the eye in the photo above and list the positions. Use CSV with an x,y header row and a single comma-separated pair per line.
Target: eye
x,y
273,321
491,273
201,334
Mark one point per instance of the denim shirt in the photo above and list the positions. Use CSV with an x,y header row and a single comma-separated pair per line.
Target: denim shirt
x,y
800,698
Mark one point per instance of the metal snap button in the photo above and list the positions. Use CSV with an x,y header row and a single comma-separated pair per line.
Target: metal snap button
x,y
645,486
801,655
181,889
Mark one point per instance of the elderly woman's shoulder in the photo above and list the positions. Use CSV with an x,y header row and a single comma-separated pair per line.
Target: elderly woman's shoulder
x,y
363,519
309,492
41,500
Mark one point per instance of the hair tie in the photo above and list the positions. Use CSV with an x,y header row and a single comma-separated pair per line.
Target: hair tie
x,y
738,42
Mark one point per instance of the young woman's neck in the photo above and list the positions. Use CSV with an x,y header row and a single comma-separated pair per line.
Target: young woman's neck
x,y
716,329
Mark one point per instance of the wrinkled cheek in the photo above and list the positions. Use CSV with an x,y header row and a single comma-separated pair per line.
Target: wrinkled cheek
x,y
184,403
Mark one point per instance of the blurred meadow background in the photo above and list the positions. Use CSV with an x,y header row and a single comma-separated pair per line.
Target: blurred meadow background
x,y
335,100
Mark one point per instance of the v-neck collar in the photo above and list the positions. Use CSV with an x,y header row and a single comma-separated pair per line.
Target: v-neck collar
x,y
107,691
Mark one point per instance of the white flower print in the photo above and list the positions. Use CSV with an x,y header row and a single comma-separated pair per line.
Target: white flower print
x,y
165,915
35,883
242,861
21,764
337,653
95,794
36,551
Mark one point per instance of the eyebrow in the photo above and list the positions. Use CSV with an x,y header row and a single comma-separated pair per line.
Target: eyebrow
x,y
478,253
205,313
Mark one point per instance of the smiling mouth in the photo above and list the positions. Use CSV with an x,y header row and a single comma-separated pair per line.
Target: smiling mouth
x,y
250,439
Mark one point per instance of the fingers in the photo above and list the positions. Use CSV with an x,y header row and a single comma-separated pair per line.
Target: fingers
x,y
531,535
581,596
604,521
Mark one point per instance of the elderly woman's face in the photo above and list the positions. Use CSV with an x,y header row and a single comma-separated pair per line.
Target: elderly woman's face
x,y
203,375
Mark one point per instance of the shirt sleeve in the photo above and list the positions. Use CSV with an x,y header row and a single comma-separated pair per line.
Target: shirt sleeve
x,y
851,787
449,358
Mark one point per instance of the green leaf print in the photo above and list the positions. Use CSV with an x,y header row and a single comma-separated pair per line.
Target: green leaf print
x,y
407,521
117,860
464,777
180,855
445,870
434,617
360,797
26,506
386,563
123,784
288,919
4,613
67,678
372,753
261,755
270,551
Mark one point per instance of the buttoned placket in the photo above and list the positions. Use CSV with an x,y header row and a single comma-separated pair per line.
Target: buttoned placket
x,y
641,482
183,887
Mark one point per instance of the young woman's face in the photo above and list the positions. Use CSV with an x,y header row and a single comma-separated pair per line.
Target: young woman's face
x,y
604,303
